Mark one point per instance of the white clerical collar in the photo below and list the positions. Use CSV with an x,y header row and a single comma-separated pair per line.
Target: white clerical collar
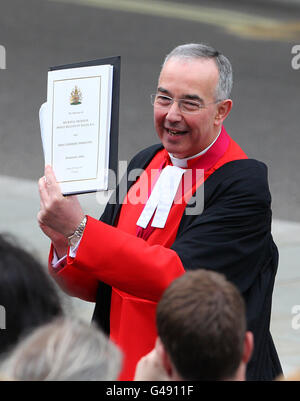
x,y
182,163
162,196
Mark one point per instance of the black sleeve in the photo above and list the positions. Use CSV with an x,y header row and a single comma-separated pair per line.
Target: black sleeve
x,y
233,233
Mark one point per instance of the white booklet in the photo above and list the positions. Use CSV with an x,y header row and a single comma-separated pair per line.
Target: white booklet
x,y
76,126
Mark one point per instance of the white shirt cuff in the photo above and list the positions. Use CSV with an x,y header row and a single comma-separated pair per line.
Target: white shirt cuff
x,y
72,253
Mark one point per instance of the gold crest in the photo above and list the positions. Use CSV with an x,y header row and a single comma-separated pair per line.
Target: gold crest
x,y
76,96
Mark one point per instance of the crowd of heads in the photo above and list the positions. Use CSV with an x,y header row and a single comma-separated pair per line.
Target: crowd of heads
x,y
200,322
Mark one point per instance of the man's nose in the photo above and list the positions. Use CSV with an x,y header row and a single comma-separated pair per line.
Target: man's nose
x,y
174,113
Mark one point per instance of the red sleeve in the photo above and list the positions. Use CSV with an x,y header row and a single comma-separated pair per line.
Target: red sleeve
x,y
74,282
123,261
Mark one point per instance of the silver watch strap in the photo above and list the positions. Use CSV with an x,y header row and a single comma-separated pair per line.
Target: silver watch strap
x,y
75,237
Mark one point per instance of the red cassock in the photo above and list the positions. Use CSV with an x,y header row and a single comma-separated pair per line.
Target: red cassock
x,y
138,264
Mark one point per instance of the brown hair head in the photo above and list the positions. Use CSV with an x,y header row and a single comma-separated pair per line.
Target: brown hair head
x,y
201,323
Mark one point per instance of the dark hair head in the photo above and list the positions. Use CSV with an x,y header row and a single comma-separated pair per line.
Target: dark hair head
x,y
28,297
201,322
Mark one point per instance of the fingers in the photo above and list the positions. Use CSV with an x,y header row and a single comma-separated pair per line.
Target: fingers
x,y
47,194
44,197
59,213
49,189
52,186
49,175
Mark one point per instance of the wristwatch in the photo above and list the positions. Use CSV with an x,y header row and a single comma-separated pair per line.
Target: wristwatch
x,y
76,236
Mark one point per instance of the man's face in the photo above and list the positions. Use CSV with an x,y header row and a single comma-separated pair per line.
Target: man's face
x,y
184,135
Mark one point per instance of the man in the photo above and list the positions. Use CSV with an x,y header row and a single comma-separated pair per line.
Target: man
x,y
126,261
201,323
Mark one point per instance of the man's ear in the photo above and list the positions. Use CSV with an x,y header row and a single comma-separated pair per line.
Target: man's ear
x,y
160,349
248,347
223,109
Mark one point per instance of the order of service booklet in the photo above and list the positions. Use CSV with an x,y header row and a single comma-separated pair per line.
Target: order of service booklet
x,y
79,124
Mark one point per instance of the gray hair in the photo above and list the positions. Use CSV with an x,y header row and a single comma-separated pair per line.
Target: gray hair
x,y
202,51
64,350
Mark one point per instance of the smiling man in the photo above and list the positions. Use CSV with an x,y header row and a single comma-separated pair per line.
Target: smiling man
x,y
125,261
188,114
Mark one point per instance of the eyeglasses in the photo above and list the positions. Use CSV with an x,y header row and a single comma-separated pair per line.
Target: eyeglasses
x,y
185,105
